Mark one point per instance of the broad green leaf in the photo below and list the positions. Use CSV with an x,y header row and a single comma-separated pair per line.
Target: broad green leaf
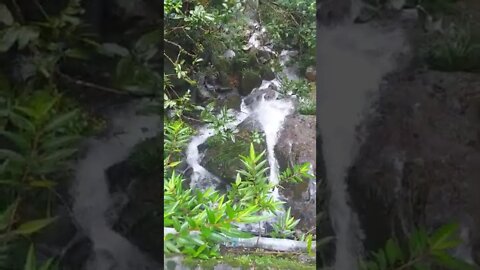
x,y
60,121
5,15
31,262
33,226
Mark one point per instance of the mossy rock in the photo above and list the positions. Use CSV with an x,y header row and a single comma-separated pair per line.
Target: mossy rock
x,y
146,158
223,158
250,79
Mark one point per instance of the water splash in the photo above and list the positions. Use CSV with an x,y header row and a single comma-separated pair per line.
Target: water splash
x,y
352,62
92,200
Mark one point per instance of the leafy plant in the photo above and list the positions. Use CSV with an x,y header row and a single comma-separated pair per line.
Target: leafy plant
x,y
31,262
285,226
297,174
456,50
39,147
220,123
177,134
424,251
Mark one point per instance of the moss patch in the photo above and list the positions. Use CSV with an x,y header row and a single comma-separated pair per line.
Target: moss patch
x,y
247,261
223,158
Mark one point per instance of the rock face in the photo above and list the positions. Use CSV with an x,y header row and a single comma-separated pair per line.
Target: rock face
x,y
419,165
296,145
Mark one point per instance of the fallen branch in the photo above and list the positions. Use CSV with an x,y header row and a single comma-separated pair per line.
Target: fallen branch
x,y
100,87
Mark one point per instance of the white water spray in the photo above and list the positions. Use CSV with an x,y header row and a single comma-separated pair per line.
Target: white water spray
x,y
352,62
92,197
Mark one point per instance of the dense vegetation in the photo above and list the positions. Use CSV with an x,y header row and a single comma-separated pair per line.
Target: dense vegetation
x,y
57,63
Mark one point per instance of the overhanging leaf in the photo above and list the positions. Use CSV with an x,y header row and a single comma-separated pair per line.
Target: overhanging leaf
x,y
33,226
5,15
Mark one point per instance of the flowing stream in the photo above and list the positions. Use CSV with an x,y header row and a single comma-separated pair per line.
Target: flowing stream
x,y
94,208
352,60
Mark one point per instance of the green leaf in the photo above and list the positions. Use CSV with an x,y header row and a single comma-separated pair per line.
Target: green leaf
x,y
31,262
393,251
439,239
113,49
33,226
18,139
22,122
60,121
12,155
59,155
57,142
170,246
43,184
77,54
7,215
26,34
450,262
8,38
5,15
49,265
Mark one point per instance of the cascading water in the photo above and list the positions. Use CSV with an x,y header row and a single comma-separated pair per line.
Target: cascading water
x,y
270,112
352,59
92,200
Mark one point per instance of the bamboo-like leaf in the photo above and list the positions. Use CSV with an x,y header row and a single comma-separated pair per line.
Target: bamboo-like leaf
x,y
31,262
5,15
12,155
18,139
442,235
57,142
60,121
58,155
33,226
22,122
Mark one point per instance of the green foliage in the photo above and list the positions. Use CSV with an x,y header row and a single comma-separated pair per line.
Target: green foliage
x,y
285,226
177,135
40,145
456,50
297,173
252,185
292,23
31,262
220,122
202,219
424,252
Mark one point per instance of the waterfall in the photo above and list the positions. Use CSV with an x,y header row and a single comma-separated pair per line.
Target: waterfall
x,y
352,59
92,200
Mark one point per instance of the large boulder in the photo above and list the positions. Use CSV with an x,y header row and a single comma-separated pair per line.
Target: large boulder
x,y
296,145
419,165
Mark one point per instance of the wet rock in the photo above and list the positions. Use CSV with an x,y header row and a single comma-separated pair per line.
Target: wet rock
x,y
223,159
330,12
76,256
296,145
250,80
231,100
311,73
419,163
